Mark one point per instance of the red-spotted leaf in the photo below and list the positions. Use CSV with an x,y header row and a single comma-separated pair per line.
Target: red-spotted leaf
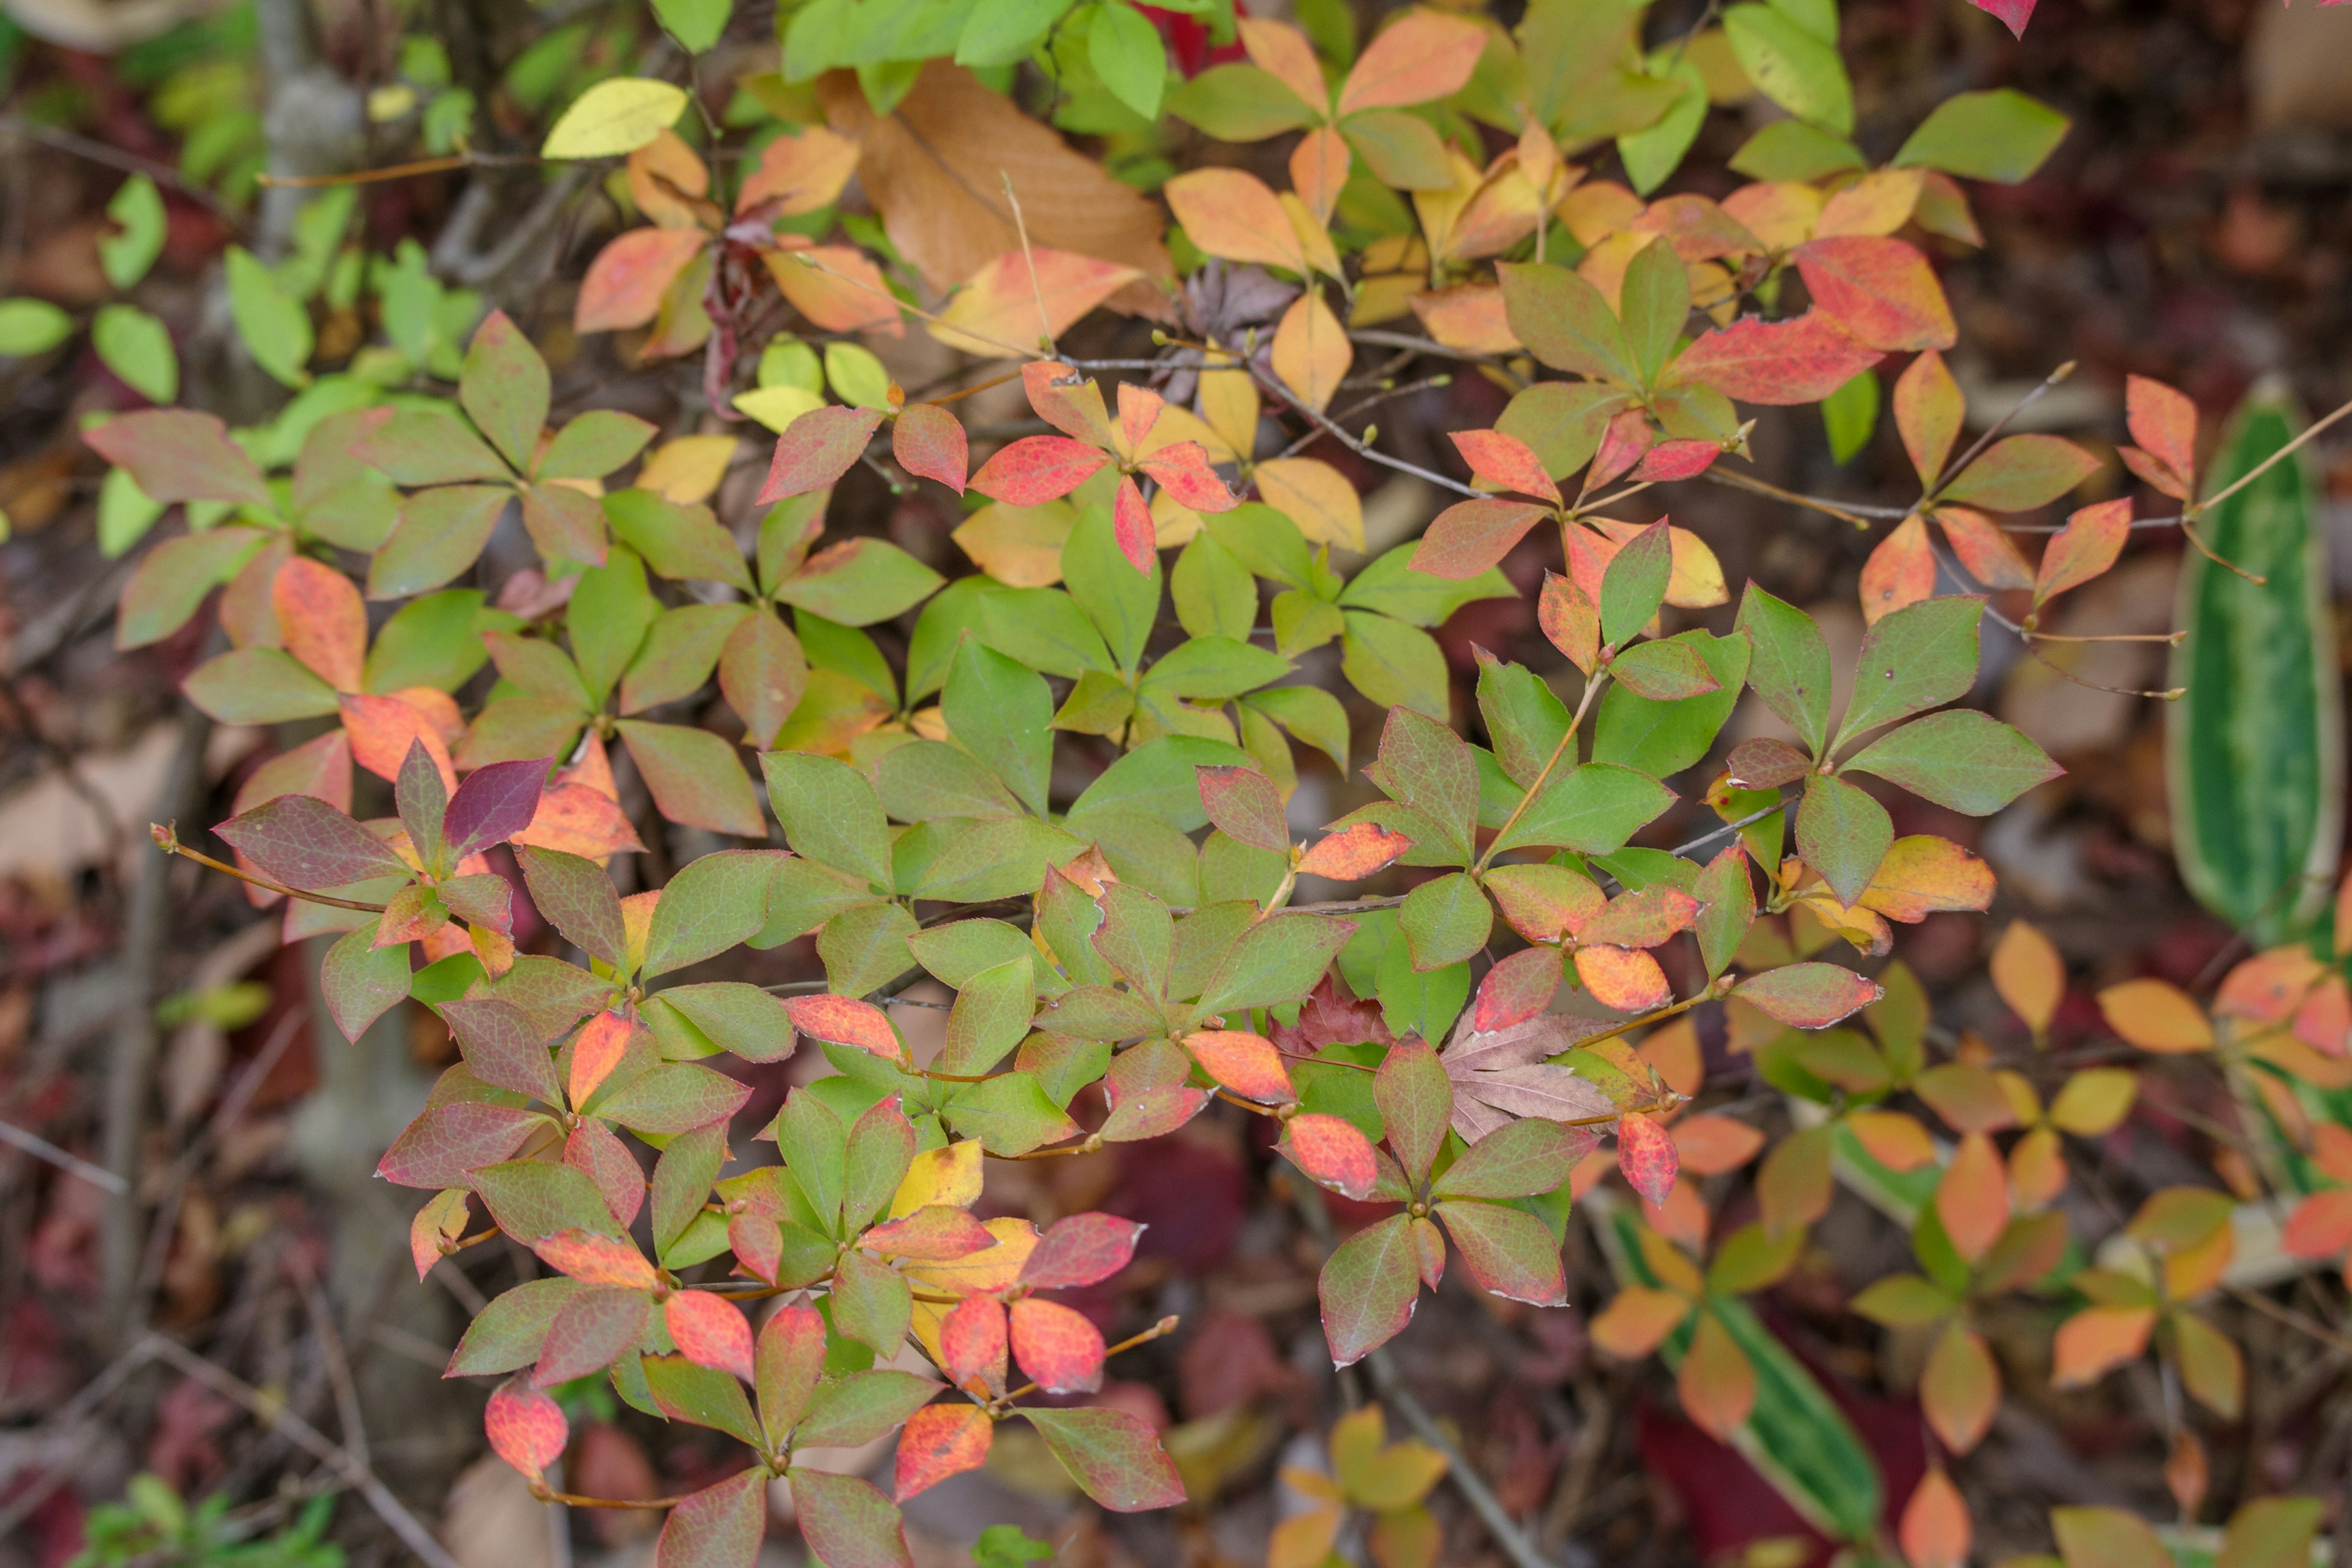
x,y
1246,1063
1243,803
178,455
526,1428
710,1331
1516,989
1062,1350
1647,1154
1333,1152
1115,1457
493,804
595,1259
1037,470
1777,363
1081,1249
846,1021
1353,853
721,1526
1368,1287
1880,289
1469,537
929,441
940,1441
817,448
847,1523
1506,462
1807,996
972,1337
305,843
2088,545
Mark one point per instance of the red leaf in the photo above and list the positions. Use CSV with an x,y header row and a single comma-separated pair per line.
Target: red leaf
x,y
1777,363
1880,289
1471,536
1506,462
1353,853
441,1146
1243,803
929,441
846,1021
322,620
2088,544
1647,1155
973,1339
935,1233
710,1331
626,282
526,1428
1671,461
2164,423
178,455
1131,527
817,448
1808,996
1984,549
1182,470
1333,1152
1037,470
1624,978
1622,442
790,1360
596,1051
1516,989
1570,620
2012,14
940,1441
1245,1063
1900,572
1062,1350
1081,1249
595,1259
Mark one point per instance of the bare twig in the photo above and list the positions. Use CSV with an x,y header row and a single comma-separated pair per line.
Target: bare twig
x,y
41,1148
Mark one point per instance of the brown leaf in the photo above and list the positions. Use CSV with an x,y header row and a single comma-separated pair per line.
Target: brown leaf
x,y
936,166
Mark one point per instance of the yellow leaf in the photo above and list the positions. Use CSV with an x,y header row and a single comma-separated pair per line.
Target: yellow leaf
x,y
1877,204
2029,974
1399,1475
2093,1101
1020,546
1173,524
1780,213
1314,243
1316,497
1229,406
613,118
1604,265
688,469
1311,351
2155,1016
948,1175
1230,214
777,406
1303,1541
1468,317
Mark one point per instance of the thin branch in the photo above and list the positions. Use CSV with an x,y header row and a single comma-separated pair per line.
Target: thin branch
x,y
2251,475
167,839
1362,448
1844,511
74,1165
114,157
1993,430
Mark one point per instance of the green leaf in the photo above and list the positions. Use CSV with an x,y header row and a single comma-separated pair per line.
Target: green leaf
x,y
1792,149
1368,1287
991,1016
1159,779
678,654
1310,714
680,543
959,950
1508,1251
1728,901
1426,766
1045,630
1213,591
2255,750
1393,664
1126,52
1655,301
1276,960
1850,416
1445,921
1001,32
1842,834
1661,739
1010,1113
740,1019
135,346
1122,603
594,444
995,860
865,949
171,579
433,640
276,330
1792,65
1212,669
31,327
1390,586
1635,584
533,1199
503,387
830,813
1115,1457
1524,720
694,777
1964,761
1651,154
361,981
711,904
137,208
928,779
2018,473
938,630
863,1406
845,1522
1002,712
259,685
509,1332
859,582
695,24
1918,657
1237,102
1594,809
609,615
703,1396
1997,135
615,117
1788,665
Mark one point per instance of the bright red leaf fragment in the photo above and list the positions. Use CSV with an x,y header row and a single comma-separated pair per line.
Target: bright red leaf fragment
x,y
1037,470
1647,1155
972,1337
709,1331
1081,1249
1333,1152
1062,1350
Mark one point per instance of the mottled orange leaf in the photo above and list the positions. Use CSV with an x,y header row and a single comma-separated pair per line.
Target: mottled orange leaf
x,y
1471,536
526,1428
1711,1145
1424,56
1984,549
2164,423
1929,411
1506,462
666,177
838,288
1880,289
1245,1063
940,1441
1570,620
972,1337
1332,1151
1516,989
1062,1350
322,620
381,729
595,1259
1353,853
2088,544
1625,979
1895,1141
846,1021
710,1331
1922,875
1901,571
1777,363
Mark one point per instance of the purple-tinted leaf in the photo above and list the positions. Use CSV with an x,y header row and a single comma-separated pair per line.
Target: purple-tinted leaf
x,y
502,1048
815,449
718,1527
1115,1457
593,1329
178,455
1369,1286
442,1147
577,897
361,981
492,805
305,843
1082,1249
847,1523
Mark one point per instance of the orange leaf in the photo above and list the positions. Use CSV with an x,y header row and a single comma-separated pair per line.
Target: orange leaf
x,y
1516,989
1878,202
1646,1156
1777,363
2088,544
1625,979
1333,1152
1062,1350
940,1441
837,288
382,728
2268,987
1959,1388
526,1428
997,308
1934,1530
595,1259
321,620
1921,875
802,172
846,1021
664,177
1311,351
2164,424
1710,1145
2156,1015
2029,974
710,1331
1472,536
973,1339
1895,1141
1318,164
1717,1382
1283,52
2320,1226
1427,55
1972,1198
1230,214
1929,411
1638,1321
1570,619
1469,317
2096,1340
1882,290
1245,1063
1984,549
1901,571
596,1050
1353,853
1506,462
